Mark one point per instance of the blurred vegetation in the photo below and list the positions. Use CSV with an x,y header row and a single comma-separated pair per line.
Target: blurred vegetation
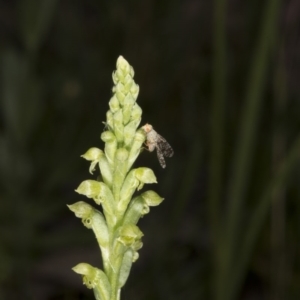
x,y
219,79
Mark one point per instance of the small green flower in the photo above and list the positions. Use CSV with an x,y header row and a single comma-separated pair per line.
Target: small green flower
x,y
151,198
96,156
129,235
95,279
135,180
139,206
92,219
89,188
81,209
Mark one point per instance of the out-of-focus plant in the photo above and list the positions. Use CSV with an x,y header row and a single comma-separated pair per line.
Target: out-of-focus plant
x,y
234,236
118,236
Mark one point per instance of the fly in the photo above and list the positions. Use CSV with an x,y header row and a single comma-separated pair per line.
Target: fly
x,y
156,141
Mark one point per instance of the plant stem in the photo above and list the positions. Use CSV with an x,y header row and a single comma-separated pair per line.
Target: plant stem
x,y
217,133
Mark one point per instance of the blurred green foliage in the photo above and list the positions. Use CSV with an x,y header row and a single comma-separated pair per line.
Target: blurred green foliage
x,y
219,79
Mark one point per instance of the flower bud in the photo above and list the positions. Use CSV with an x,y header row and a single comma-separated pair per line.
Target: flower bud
x,y
127,108
106,170
128,83
137,143
110,120
120,88
120,172
123,64
129,133
115,77
131,72
136,112
114,104
135,90
118,125
121,96
110,146
119,76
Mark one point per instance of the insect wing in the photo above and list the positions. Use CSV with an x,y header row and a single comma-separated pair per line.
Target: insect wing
x,y
164,146
160,157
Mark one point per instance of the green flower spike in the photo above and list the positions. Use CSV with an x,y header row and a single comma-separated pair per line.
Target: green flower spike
x,y
115,228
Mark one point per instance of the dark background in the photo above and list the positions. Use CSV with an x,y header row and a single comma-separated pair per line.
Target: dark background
x,y
220,80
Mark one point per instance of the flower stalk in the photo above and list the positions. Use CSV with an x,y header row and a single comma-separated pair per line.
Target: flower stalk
x,y
115,228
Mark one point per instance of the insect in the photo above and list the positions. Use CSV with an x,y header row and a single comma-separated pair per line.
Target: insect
x,y
154,140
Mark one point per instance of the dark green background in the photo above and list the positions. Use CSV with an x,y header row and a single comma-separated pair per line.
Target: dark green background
x,y
218,79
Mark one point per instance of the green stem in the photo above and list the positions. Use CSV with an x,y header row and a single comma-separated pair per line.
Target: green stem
x,y
115,272
262,211
278,207
217,131
245,146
